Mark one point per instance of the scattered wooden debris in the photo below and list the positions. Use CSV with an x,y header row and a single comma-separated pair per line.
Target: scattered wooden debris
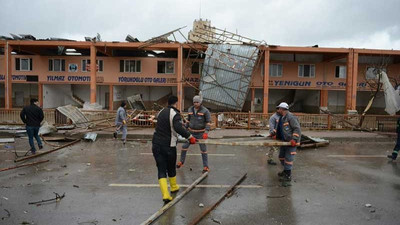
x,y
153,217
47,152
56,199
209,209
23,165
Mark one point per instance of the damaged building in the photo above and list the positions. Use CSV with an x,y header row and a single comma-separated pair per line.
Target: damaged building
x,y
60,72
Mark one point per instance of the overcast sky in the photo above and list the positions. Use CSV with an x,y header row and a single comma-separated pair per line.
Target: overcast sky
x,y
328,23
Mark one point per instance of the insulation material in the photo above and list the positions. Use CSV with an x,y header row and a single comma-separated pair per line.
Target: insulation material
x,y
392,98
92,106
226,74
46,128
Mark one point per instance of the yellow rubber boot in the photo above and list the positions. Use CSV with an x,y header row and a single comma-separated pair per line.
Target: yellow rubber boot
x,y
174,186
164,190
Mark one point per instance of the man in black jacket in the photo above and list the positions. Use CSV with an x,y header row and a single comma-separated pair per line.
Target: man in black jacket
x,y
32,116
169,125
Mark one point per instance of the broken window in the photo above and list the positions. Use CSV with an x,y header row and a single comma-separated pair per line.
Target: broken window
x,y
130,66
86,65
23,64
166,67
57,65
306,70
197,67
340,72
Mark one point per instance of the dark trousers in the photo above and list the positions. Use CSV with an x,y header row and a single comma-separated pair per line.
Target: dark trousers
x,y
165,157
33,132
397,146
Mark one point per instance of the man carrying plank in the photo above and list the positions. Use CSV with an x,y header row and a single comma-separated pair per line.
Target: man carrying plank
x,y
165,138
287,129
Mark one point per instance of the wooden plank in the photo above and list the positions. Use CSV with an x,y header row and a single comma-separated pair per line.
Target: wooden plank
x,y
244,143
23,165
47,152
208,210
153,217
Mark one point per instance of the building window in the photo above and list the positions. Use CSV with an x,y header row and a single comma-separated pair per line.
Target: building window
x,y
86,64
23,64
165,67
57,65
275,70
340,72
197,67
306,70
130,66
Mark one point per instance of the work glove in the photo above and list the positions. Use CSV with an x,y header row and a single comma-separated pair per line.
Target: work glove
x,y
124,122
394,155
192,140
205,136
293,143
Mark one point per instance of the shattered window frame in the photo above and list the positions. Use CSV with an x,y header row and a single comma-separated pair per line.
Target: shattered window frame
x,y
302,70
165,67
197,67
57,65
99,64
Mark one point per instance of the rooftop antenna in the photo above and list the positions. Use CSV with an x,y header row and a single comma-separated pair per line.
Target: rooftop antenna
x,y
200,11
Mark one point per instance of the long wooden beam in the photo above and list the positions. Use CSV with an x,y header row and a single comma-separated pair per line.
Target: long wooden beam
x,y
47,152
268,143
208,210
23,165
153,217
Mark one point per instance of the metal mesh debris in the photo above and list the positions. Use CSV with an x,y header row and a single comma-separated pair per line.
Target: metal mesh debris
x,y
75,115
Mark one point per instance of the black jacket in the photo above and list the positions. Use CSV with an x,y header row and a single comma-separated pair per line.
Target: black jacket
x,y
32,115
169,125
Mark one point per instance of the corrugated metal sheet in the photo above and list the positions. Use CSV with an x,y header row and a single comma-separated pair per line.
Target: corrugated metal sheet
x,y
226,74
75,115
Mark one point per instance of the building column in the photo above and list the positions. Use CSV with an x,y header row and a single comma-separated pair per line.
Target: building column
x,y
252,99
111,97
179,80
351,81
93,67
40,90
323,99
8,81
355,82
266,81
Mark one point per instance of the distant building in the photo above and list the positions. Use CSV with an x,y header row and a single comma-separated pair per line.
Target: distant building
x,y
202,32
60,72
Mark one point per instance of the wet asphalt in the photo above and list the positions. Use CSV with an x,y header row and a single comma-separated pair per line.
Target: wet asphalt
x,y
331,185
